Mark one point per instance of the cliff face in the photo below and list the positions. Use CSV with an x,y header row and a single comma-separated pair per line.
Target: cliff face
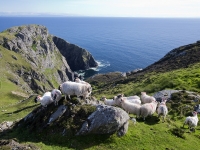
x,y
77,58
35,62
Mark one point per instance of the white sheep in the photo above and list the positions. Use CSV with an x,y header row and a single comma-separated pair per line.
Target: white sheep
x,y
130,107
133,100
45,100
56,96
146,98
162,110
80,81
117,99
191,121
77,80
110,102
72,88
148,109
133,97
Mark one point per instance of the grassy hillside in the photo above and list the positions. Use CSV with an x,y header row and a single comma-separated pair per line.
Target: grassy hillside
x,y
151,134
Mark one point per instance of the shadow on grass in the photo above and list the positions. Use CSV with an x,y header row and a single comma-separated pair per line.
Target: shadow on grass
x,y
72,142
17,111
150,120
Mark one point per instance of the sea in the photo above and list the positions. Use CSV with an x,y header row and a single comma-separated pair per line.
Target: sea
x,y
118,44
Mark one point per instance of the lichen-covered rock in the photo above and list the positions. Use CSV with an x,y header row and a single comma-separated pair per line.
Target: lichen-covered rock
x,y
5,125
106,120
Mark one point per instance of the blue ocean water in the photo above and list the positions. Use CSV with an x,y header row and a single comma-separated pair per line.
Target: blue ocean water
x,y
118,44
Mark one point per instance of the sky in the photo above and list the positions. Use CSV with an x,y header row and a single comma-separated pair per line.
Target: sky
x,y
102,8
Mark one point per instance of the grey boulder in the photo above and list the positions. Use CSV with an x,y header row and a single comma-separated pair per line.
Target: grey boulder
x,y
106,120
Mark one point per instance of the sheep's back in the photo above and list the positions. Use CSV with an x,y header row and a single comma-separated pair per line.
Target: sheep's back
x,y
131,107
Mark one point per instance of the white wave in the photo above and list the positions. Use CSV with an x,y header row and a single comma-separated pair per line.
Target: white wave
x,y
101,64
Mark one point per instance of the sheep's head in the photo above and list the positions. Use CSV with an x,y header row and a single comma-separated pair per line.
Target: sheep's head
x,y
103,98
194,113
77,79
120,95
37,98
143,93
122,100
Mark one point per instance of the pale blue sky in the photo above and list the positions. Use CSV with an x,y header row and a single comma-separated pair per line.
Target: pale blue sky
x,y
103,8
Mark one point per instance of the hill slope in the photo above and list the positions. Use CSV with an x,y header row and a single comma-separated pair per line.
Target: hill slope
x,y
34,61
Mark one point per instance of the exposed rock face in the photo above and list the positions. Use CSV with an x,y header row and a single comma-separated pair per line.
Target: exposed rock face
x,y
46,67
106,120
77,58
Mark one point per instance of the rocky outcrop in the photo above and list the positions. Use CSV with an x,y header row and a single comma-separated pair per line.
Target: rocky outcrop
x,y
48,59
181,57
14,145
77,58
106,120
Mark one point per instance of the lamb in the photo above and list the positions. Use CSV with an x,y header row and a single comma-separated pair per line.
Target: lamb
x,y
146,98
110,102
162,110
72,88
131,107
148,109
45,100
56,95
192,121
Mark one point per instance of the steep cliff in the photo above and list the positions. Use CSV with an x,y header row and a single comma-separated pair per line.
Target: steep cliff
x,y
77,58
31,60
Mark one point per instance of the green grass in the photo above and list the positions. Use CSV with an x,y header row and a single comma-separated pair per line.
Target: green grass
x,y
151,134
182,79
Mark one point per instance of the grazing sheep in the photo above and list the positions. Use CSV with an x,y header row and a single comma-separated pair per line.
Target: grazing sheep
x,y
192,121
45,100
132,100
162,110
146,98
110,102
77,80
72,88
56,95
130,107
148,109
117,99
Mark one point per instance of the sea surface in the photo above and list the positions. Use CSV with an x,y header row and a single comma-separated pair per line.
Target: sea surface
x,y
118,44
